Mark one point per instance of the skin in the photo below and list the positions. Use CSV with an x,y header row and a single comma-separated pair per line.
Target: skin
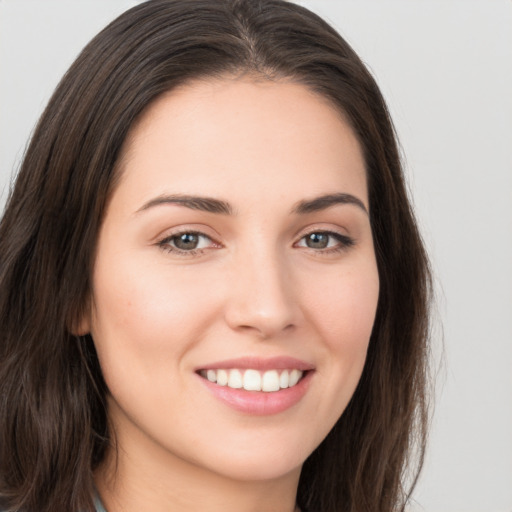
x,y
254,288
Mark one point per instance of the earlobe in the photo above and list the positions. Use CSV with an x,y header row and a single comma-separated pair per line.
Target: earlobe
x,y
80,325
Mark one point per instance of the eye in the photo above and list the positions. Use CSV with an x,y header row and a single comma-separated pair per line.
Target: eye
x,y
186,242
325,240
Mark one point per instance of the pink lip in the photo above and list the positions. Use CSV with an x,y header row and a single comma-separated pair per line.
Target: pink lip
x,y
256,363
260,402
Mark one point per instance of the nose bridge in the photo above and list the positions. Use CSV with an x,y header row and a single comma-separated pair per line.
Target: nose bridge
x,y
261,297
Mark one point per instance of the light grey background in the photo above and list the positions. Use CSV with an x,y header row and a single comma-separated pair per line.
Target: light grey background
x,y
445,68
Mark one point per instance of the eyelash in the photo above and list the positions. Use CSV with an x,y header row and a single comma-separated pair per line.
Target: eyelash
x,y
344,242
165,243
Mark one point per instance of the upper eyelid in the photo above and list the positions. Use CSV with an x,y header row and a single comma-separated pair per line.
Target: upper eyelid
x,y
335,234
215,237
322,228
180,230
325,231
172,232
170,236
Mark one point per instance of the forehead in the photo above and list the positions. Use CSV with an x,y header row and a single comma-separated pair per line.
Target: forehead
x,y
207,134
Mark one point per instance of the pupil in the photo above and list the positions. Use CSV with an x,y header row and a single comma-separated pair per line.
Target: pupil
x,y
186,241
317,240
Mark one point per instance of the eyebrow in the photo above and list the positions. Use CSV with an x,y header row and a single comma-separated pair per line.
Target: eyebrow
x,y
212,205
205,204
323,202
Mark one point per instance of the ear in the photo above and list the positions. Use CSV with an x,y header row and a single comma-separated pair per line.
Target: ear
x,y
80,325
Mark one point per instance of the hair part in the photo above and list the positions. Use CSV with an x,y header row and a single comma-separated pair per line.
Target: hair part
x,y
53,420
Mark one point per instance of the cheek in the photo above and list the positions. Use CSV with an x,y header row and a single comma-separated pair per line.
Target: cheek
x,y
342,311
346,304
344,314
143,320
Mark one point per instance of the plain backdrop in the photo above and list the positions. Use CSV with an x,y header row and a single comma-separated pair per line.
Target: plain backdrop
x,y
445,68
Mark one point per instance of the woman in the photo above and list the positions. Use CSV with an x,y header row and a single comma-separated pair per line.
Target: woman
x,y
214,295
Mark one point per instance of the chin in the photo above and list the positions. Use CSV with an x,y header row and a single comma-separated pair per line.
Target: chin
x,y
257,470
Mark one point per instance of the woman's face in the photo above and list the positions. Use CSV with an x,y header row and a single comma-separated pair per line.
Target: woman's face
x,y
236,252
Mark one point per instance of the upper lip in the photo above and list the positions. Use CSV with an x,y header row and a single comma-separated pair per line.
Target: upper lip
x,y
258,363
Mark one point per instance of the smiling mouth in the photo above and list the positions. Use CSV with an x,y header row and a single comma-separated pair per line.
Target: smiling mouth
x,y
254,380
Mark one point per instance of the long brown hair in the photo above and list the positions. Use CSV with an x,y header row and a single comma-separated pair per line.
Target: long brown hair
x,y
53,418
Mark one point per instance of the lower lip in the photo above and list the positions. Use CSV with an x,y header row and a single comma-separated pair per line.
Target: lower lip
x,y
260,402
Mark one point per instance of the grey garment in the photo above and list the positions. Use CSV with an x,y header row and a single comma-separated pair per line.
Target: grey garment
x,y
97,503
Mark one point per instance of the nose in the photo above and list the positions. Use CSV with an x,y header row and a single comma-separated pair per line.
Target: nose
x,y
261,298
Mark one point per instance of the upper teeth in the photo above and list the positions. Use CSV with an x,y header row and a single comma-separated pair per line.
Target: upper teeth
x,y
253,380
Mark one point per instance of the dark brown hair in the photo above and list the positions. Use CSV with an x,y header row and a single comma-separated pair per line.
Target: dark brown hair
x,y
53,419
